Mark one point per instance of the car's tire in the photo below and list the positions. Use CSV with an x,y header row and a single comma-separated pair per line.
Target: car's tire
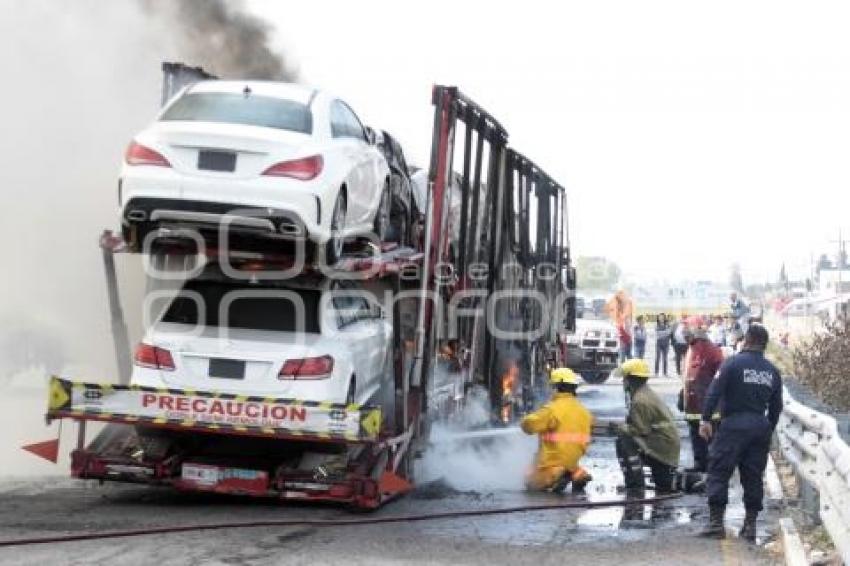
x,y
595,377
333,249
383,216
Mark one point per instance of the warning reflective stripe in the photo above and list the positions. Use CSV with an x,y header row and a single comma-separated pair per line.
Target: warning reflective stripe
x,y
698,416
58,394
214,411
567,437
371,423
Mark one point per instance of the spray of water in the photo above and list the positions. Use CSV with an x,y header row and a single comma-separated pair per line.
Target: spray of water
x,y
467,456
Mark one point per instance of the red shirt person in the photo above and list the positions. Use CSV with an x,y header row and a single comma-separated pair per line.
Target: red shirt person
x,y
701,365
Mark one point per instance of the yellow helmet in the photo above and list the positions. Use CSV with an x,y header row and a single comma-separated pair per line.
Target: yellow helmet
x,y
563,375
636,368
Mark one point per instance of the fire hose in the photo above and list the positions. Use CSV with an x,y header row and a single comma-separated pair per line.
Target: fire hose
x,y
333,522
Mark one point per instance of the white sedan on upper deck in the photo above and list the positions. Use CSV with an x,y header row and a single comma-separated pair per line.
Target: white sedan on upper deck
x,y
272,158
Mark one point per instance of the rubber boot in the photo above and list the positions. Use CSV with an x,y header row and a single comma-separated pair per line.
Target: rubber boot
x,y
748,530
561,483
689,482
715,527
580,481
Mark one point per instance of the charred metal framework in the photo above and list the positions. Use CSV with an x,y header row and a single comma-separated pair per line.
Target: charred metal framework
x,y
177,75
512,226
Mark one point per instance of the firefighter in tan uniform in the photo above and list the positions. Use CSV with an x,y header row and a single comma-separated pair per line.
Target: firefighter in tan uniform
x,y
564,427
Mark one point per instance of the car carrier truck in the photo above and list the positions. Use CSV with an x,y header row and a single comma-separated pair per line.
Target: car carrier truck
x,y
479,294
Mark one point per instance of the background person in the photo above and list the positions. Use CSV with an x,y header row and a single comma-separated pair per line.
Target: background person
x,y
717,332
680,342
663,333
740,311
734,336
701,365
639,337
748,392
625,339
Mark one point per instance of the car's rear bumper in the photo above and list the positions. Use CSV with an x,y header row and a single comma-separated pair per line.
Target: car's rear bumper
x,y
160,196
591,359
214,215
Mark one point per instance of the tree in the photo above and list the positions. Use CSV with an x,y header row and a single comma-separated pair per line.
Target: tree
x,y
597,273
735,279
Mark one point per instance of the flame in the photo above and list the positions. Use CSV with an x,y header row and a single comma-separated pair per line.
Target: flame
x,y
447,351
506,413
509,379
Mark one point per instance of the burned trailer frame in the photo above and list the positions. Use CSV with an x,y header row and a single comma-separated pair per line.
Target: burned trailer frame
x,y
537,231
176,76
458,246
488,254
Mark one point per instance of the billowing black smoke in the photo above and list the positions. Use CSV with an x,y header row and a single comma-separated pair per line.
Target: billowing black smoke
x,y
221,37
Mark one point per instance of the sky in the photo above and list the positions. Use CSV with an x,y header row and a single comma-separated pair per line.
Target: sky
x,y
689,135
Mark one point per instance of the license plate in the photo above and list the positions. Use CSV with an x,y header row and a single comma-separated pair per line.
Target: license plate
x,y
217,160
224,480
199,474
227,369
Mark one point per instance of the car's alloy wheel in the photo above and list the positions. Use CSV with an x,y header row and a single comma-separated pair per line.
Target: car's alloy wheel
x,y
334,247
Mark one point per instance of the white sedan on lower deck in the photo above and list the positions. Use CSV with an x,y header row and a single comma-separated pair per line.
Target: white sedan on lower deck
x,y
330,343
270,159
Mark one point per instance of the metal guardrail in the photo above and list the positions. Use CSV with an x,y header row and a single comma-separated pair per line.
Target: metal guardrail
x,y
821,460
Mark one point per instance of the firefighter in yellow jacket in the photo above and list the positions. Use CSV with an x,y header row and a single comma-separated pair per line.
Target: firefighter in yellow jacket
x,y
564,428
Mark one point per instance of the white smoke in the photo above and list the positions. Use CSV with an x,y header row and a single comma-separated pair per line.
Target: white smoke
x,y
80,79
467,456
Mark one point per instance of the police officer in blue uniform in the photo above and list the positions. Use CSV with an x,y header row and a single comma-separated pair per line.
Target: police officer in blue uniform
x,y
748,391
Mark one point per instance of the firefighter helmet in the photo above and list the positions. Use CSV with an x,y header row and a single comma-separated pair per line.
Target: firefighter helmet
x,y
563,375
635,368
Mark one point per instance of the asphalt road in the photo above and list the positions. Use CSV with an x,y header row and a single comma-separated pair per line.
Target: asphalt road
x,y
456,474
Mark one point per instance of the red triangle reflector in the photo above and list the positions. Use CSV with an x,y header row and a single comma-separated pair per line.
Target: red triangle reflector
x,y
49,450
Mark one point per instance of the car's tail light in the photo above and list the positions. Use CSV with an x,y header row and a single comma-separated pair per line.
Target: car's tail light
x,y
151,357
302,169
307,368
138,154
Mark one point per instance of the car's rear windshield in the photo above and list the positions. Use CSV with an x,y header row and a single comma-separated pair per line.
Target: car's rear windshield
x,y
233,108
250,307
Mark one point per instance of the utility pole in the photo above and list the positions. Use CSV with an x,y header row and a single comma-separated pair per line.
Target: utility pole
x,y
840,262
